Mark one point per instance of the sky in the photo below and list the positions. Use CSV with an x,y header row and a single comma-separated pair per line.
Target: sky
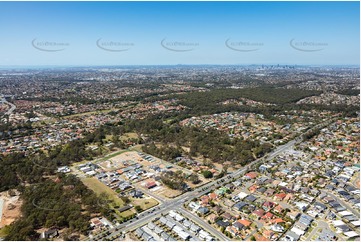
x,y
171,33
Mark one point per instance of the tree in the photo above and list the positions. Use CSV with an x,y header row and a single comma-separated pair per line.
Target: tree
x,y
174,180
194,178
67,203
207,174
138,209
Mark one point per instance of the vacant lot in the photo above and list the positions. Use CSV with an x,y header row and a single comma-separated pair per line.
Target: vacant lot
x,y
99,188
127,136
115,161
145,203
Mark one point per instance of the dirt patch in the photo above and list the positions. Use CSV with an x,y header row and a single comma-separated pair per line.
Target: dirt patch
x,y
11,205
123,160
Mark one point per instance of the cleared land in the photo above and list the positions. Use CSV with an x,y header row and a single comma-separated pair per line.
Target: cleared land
x,y
99,188
127,136
10,208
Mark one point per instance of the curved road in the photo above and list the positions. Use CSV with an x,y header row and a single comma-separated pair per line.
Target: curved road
x,y
12,106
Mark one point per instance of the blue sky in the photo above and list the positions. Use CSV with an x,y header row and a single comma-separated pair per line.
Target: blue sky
x,y
303,33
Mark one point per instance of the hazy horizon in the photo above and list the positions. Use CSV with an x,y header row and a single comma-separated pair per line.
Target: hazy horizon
x,y
179,33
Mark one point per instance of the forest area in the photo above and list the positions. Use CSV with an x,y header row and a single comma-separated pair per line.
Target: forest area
x,y
61,203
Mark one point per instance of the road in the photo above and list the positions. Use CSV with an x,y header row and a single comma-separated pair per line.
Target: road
x,y
12,106
150,194
320,225
344,204
203,224
356,180
176,204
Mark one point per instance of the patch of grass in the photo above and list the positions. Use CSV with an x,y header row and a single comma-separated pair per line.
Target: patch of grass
x,y
127,213
145,203
4,231
112,155
137,148
108,137
127,136
99,188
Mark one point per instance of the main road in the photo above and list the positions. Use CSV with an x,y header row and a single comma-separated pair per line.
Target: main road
x,y
177,203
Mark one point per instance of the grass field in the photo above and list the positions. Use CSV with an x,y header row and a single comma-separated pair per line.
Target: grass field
x,y
112,155
145,203
127,213
137,148
127,136
100,188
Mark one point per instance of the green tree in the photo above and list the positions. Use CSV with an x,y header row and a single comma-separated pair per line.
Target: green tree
x,y
207,174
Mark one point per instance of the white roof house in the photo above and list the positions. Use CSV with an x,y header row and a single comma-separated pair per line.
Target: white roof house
x,y
242,195
172,213
337,223
351,234
356,223
345,213
297,231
